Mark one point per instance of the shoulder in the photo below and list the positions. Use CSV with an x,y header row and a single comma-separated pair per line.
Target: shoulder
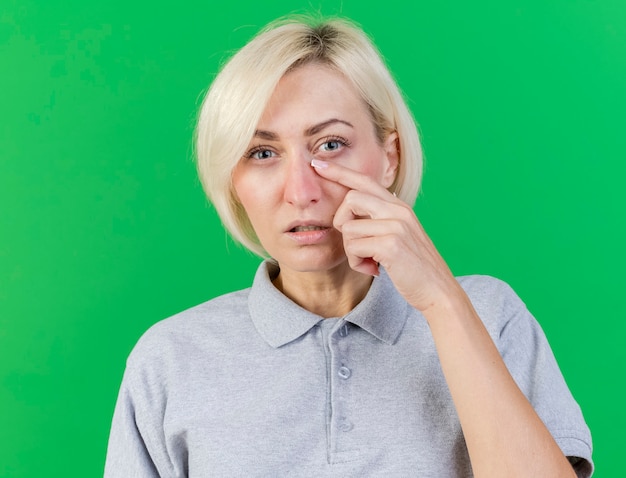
x,y
516,333
194,328
484,288
496,302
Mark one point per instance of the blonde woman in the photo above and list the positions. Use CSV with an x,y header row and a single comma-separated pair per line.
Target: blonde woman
x,y
355,352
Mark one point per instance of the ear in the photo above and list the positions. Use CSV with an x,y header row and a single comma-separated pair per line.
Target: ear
x,y
391,147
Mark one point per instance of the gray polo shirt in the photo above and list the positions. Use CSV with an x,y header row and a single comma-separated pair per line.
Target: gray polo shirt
x,y
250,384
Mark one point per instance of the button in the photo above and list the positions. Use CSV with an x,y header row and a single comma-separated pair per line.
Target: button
x,y
344,372
345,425
343,331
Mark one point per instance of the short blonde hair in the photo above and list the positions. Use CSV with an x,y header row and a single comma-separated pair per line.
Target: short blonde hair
x,y
239,94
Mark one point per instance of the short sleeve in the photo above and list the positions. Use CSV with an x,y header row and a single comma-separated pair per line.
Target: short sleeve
x,y
137,444
127,453
529,358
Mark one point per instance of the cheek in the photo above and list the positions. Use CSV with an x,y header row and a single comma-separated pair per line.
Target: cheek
x,y
258,192
247,193
371,165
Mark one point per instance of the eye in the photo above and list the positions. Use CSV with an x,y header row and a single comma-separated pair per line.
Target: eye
x,y
332,144
260,153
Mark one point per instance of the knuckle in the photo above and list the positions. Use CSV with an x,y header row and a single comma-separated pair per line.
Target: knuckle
x,y
347,228
392,244
338,222
351,196
407,212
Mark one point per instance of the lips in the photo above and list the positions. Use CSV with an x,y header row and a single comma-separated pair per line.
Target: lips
x,y
306,228
308,233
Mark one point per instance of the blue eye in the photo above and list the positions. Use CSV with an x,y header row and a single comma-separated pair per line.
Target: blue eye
x,y
261,154
331,145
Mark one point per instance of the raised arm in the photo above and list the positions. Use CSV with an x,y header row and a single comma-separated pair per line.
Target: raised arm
x,y
505,437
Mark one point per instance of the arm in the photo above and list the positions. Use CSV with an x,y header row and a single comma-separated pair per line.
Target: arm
x,y
127,453
504,435
138,444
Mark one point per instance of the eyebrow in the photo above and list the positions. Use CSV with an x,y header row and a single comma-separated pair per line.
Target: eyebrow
x,y
270,136
320,126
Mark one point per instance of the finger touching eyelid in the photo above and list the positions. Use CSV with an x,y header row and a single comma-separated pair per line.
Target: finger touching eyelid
x,y
348,177
319,164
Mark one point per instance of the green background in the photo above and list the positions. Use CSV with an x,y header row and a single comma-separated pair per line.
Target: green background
x,y
104,228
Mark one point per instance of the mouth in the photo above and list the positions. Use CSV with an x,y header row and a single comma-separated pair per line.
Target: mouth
x,y
307,228
308,233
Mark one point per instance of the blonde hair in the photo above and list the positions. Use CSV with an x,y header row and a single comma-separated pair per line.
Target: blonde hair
x,y
239,94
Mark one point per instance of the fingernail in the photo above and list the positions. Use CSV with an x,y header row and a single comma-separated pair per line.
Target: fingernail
x,y
319,164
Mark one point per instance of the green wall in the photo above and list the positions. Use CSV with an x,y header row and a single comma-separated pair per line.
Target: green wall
x,y
104,228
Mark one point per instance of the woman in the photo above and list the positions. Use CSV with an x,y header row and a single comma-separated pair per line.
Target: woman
x,y
355,352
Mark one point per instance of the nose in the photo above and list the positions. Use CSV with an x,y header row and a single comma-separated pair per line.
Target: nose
x,y
302,185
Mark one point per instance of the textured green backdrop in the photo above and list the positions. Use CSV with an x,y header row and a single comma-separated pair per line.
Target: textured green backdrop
x,y
104,229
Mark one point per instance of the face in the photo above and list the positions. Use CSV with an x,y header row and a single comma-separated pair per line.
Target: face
x,y
314,112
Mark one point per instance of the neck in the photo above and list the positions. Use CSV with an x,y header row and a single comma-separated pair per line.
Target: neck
x,y
332,293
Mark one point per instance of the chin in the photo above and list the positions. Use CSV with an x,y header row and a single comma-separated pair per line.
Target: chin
x,y
311,261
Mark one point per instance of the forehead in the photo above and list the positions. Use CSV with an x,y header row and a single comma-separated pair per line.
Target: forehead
x,y
310,91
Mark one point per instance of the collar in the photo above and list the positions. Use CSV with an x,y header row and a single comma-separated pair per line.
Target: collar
x,y
383,312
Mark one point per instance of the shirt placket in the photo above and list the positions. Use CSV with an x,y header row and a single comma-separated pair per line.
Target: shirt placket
x,y
341,374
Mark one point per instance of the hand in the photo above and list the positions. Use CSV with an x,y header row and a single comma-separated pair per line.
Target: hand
x,y
379,228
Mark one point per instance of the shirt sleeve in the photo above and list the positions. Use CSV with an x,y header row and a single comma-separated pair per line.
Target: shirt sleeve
x,y
529,358
127,453
137,443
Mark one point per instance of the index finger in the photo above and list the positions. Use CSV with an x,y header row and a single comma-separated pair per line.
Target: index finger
x,y
349,177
